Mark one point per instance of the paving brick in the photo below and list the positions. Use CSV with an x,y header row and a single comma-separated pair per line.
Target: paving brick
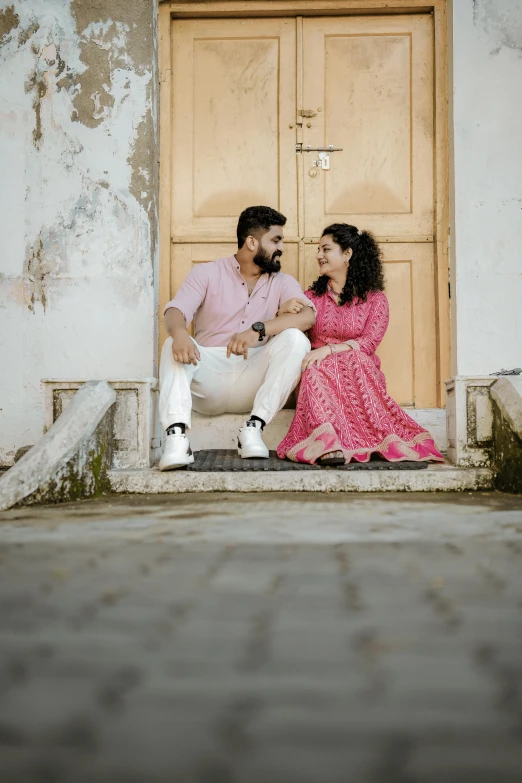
x,y
247,640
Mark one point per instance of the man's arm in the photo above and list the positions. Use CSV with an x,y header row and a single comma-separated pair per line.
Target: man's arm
x,y
303,321
184,349
174,321
241,342
290,289
178,314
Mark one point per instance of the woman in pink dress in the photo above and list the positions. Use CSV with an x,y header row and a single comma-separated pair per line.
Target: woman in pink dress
x,y
344,412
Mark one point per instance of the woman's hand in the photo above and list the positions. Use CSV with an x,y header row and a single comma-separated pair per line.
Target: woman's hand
x,y
292,306
315,357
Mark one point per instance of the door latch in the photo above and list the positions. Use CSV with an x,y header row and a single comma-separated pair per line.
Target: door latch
x,y
324,154
299,148
323,162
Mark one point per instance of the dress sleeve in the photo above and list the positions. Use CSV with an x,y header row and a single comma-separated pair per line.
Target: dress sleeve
x,y
375,326
290,289
191,293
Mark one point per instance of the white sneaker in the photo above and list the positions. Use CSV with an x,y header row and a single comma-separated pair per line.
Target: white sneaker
x,y
250,442
176,451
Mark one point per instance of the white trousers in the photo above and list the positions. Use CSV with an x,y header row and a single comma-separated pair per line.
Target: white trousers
x,y
260,384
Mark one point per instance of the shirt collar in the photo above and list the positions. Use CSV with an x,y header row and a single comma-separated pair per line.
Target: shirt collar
x,y
262,281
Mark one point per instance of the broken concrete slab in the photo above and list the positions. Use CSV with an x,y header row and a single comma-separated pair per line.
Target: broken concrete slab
x,y
507,429
509,401
137,433
72,459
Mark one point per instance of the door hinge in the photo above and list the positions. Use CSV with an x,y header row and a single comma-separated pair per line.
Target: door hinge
x,y
449,290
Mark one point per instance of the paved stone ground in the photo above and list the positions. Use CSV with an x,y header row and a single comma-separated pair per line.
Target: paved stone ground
x,y
262,639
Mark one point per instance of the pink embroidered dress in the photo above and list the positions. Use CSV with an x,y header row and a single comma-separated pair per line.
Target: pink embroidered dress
x,y
343,404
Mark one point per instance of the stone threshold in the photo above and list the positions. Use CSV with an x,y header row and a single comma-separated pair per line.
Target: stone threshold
x,y
436,478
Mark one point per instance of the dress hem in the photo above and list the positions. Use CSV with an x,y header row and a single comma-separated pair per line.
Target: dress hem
x,y
392,448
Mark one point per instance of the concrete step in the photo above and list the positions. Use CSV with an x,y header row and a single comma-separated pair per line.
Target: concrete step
x,y
220,432
436,478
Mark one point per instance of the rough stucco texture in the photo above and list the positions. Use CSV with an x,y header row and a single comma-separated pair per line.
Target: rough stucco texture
x,y
508,452
487,235
78,199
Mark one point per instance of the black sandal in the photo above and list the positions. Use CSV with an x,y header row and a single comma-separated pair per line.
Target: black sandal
x,y
328,462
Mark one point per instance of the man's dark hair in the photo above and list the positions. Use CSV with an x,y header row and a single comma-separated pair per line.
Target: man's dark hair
x,y
255,221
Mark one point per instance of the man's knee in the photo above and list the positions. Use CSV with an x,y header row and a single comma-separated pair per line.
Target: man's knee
x,y
294,340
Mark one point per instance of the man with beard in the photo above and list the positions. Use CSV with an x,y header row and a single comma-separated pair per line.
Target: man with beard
x,y
243,357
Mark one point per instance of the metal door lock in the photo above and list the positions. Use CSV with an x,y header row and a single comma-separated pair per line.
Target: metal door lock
x,y
324,154
323,162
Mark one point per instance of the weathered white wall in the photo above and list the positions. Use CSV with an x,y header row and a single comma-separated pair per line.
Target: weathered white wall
x,y
77,199
78,183
486,231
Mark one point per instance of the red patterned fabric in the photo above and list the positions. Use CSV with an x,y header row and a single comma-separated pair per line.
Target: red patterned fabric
x,y
343,405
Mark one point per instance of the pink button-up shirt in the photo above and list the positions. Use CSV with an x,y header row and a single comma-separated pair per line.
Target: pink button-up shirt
x,y
215,295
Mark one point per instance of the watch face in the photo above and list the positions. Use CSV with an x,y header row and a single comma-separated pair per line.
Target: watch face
x,y
258,326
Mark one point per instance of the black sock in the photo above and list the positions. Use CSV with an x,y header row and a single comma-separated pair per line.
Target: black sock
x,y
256,418
170,430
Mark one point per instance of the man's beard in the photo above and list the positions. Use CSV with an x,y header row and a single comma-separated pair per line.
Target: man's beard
x,y
266,263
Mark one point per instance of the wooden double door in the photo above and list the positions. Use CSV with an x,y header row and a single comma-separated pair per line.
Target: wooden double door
x,y
248,94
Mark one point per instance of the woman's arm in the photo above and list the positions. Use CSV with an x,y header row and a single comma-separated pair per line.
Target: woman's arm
x,y
375,326
339,347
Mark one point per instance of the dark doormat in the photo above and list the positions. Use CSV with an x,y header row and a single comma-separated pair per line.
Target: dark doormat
x,y
228,460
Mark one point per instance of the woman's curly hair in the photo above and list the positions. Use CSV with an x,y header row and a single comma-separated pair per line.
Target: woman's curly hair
x,y
365,272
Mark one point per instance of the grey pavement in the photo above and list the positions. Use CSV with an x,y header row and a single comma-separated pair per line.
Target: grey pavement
x,y
283,638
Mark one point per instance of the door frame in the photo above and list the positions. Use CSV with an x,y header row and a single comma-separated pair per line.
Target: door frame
x,y
295,8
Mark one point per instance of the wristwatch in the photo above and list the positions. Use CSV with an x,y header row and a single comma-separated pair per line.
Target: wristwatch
x,y
259,327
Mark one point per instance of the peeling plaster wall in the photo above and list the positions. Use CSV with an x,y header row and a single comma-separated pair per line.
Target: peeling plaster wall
x,y
78,199
486,231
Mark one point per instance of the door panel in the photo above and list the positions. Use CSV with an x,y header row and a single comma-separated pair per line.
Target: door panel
x,y
370,82
408,350
373,174
233,102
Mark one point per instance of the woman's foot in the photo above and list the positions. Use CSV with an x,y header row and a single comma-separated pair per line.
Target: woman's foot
x,y
331,458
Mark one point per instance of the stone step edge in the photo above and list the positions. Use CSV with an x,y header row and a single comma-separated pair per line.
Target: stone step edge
x,y
437,478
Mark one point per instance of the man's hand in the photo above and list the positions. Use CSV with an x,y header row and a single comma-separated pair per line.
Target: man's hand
x,y
184,349
241,342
